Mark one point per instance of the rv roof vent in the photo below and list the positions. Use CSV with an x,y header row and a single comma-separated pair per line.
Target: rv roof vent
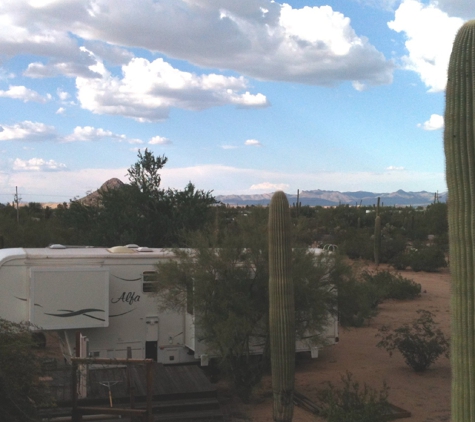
x,y
57,246
132,246
121,249
144,249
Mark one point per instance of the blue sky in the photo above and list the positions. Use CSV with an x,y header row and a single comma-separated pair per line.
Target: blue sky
x,y
242,97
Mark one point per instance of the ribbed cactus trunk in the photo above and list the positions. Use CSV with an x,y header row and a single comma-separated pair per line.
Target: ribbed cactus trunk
x,y
459,143
377,236
281,308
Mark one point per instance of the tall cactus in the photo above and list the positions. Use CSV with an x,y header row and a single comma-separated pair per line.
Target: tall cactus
x,y
281,308
377,236
459,144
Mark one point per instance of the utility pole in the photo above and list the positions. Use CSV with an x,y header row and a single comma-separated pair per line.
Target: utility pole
x,y
16,199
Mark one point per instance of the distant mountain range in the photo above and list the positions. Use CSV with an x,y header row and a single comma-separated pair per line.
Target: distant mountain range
x,y
306,197
332,198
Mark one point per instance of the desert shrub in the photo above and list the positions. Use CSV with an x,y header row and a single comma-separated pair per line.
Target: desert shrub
x,y
400,262
358,298
420,343
21,392
428,258
391,246
392,286
353,402
357,244
421,258
357,302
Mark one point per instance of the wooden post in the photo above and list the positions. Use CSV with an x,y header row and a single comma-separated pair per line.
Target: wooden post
x,y
76,417
149,390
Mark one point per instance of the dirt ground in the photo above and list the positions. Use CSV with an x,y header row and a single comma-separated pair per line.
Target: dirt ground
x,y
426,395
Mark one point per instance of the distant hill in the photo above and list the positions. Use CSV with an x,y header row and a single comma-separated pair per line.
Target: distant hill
x,y
333,198
94,197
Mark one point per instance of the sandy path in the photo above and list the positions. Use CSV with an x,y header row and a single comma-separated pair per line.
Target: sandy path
x,y
426,396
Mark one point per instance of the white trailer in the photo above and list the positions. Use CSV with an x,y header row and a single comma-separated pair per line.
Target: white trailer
x,y
104,294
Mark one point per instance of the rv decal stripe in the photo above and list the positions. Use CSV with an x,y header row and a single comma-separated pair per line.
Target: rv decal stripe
x,y
123,313
127,279
74,313
26,300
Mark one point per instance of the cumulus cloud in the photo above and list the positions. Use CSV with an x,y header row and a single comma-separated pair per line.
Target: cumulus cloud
x,y
60,110
429,33
89,133
258,38
23,93
27,131
395,168
148,90
37,164
159,140
435,122
266,186
253,143
62,95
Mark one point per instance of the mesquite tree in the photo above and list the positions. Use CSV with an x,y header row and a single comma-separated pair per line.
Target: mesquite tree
x,y
459,143
281,308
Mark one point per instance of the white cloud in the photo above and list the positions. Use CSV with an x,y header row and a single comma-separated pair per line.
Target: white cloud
x,y
159,140
429,33
27,131
435,122
135,141
148,90
23,93
60,110
395,168
37,164
259,38
269,187
62,95
89,133
253,143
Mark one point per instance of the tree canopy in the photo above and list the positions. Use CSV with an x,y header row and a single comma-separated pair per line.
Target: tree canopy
x,y
228,274
140,212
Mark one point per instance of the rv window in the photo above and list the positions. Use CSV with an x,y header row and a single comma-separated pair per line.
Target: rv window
x,y
149,278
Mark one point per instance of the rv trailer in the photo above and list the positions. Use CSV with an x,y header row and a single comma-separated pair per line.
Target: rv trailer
x,y
104,293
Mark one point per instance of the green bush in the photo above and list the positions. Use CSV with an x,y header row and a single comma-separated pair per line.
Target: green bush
x,y
420,343
358,298
353,403
21,392
392,286
421,258
429,258
357,302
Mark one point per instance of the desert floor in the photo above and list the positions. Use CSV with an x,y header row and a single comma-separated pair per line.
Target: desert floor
x,y
426,395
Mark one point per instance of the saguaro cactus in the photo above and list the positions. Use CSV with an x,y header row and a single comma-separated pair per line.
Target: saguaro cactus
x,y
377,236
459,144
281,308
377,240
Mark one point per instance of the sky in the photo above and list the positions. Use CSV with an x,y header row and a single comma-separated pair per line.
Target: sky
x,y
242,97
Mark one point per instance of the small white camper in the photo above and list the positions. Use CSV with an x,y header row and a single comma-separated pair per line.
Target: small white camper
x,y
104,294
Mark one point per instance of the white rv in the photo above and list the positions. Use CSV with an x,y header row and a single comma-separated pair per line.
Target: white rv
x,y
104,294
